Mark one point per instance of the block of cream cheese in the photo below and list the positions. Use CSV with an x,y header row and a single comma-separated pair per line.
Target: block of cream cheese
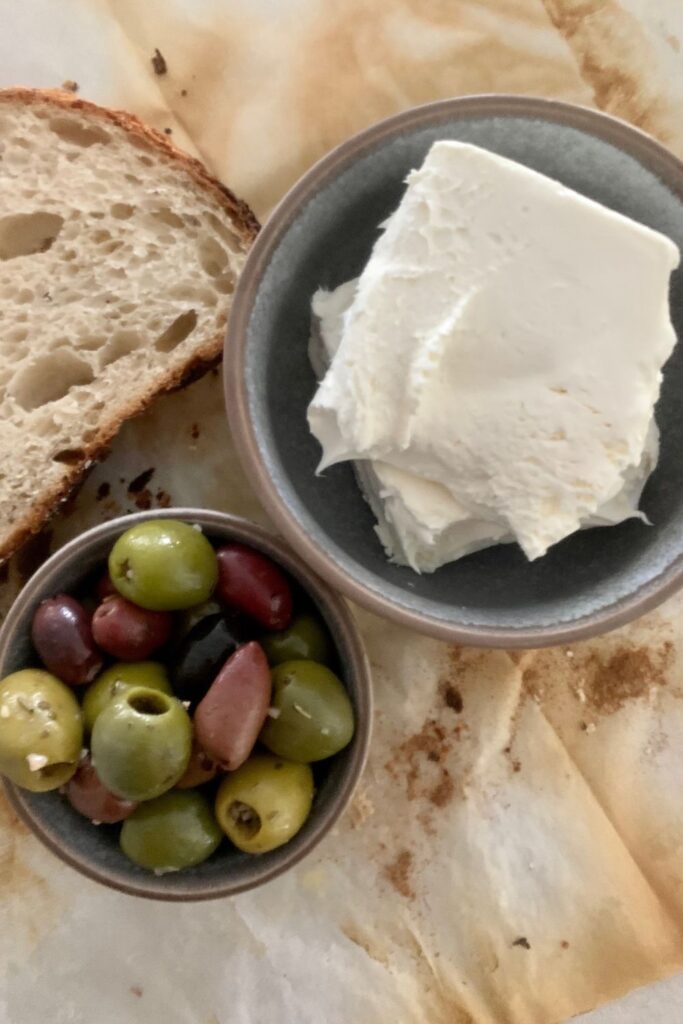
x,y
419,522
498,360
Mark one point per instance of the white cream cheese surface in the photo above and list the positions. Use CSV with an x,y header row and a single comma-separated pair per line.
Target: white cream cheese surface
x,y
493,371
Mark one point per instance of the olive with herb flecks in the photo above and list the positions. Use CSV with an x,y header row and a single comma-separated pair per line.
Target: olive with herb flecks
x,y
313,715
41,730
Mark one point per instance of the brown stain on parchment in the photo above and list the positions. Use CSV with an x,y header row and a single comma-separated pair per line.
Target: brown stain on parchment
x,y
616,59
365,61
366,942
29,906
262,96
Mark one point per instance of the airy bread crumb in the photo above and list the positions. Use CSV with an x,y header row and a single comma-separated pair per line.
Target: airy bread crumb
x,y
118,258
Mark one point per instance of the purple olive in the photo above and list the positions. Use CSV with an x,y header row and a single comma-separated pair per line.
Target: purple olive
x,y
62,635
201,655
128,632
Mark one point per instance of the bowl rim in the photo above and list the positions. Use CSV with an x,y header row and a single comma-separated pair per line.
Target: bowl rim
x,y
610,129
342,626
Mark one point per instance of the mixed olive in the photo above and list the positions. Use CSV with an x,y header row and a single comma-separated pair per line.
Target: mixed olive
x,y
205,696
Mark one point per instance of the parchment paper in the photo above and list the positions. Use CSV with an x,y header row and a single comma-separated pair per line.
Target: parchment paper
x,y
513,852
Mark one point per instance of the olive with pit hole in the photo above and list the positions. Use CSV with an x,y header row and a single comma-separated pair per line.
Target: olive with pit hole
x,y
313,714
62,635
305,639
141,744
175,831
264,803
129,632
203,652
114,682
229,718
200,769
163,565
251,583
87,795
41,731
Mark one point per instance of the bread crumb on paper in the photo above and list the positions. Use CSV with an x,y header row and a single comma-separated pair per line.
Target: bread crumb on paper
x,y
159,63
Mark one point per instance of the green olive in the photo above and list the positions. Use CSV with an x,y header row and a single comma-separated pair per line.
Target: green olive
x,y
141,743
264,803
115,681
41,730
313,716
163,565
175,831
305,639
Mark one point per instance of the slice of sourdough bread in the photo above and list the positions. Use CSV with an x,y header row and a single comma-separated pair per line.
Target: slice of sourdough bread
x,y
118,258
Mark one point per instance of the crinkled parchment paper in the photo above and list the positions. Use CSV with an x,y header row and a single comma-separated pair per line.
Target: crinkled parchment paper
x,y
513,852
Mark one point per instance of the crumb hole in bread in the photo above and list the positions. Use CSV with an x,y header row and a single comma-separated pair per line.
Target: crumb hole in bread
x,y
69,456
167,216
229,237
101,235
121,344
132,178
89,343
72,131
212,257
25,234
193,293
181,328
49,378
24,296
122,211
226,284
146,160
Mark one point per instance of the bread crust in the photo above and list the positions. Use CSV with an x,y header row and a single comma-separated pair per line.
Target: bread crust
x,y
207,356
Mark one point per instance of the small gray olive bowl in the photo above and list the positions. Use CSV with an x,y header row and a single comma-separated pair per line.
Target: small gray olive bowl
x,y
94,851
321,235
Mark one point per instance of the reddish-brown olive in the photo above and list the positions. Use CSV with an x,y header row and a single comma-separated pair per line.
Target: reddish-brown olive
x,y
105,587
87,795
251,583
200,769
229,718
128,632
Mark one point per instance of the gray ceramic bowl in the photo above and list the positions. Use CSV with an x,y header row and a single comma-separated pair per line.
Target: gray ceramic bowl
x,y
322,234
94,850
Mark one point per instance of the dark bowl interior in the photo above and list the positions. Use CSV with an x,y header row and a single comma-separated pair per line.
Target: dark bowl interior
x,y
322,235
94,850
